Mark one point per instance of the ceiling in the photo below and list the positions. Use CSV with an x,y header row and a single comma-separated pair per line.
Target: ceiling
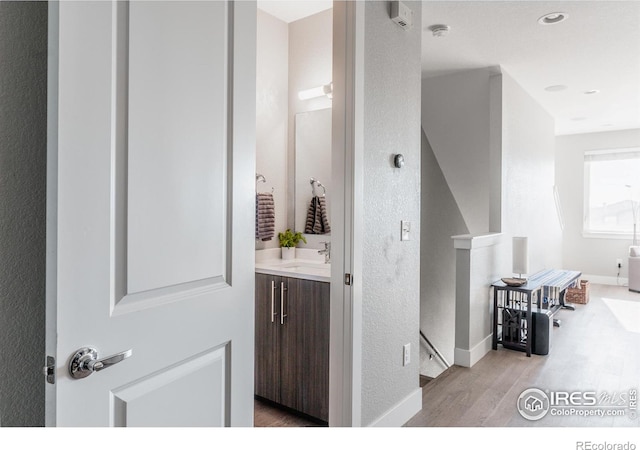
x,y
596,48
292,10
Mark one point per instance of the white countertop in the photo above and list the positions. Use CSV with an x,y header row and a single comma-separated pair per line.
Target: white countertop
x,y
305,266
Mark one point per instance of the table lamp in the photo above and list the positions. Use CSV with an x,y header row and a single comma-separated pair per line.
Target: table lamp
x,y
520,256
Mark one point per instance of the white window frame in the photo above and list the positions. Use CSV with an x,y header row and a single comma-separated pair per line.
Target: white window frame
x,y
606,154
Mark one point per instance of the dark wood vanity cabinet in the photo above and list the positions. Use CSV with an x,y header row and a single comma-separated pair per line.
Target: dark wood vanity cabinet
x,y
292,343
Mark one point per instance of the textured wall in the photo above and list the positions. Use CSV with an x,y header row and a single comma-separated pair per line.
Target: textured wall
x,y
592,256
391,268
440,219
23,105
272,108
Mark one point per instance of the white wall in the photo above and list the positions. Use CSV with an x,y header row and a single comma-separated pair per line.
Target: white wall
x,y
390,268
527,173
440,219
272,115
479,260
496,146
23,156
457,113
595,257
455,118
528,149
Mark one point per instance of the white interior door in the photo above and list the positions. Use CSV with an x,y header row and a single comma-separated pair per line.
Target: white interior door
x,y
151,225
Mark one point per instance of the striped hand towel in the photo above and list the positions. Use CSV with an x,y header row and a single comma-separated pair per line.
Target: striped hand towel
x,y
317,222
265,216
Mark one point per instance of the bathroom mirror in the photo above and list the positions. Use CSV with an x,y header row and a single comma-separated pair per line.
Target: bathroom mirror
x,y
312,160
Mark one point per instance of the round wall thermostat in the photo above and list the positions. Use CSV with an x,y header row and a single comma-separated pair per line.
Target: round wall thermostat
x,y
398,161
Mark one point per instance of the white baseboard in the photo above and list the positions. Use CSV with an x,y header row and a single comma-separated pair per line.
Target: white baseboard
x,y
611,281
468,358
402,412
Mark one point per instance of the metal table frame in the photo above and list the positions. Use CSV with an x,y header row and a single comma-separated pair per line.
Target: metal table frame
x,y
547,284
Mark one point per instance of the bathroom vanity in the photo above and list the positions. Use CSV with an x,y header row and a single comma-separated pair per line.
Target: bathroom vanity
x,y
292,335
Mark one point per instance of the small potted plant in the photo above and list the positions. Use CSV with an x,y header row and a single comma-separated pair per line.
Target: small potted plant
x,y
288,242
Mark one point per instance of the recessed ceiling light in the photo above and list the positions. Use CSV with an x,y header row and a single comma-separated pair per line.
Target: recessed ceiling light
x,y
553,18
440,30
592,91
555,88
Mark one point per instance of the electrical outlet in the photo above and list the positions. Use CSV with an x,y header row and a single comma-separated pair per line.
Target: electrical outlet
x,y
619,263
406,354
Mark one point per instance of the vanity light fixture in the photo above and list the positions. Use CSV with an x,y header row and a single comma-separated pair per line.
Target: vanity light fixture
x,y
319,91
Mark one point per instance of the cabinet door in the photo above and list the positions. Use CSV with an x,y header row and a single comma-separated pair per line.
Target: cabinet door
x,y
267,345
305,346
292,331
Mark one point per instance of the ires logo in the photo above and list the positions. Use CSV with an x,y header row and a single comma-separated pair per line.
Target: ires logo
x,y
588,398
535,404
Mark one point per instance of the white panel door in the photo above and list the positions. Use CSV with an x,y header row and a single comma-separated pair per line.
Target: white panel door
x,y
152,221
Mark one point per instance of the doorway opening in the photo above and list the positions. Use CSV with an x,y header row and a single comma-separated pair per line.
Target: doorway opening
x,y
293,192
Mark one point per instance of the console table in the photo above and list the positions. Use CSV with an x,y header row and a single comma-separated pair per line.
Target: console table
x,y
514,306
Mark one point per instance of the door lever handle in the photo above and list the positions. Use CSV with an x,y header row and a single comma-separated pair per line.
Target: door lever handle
x,y
85,361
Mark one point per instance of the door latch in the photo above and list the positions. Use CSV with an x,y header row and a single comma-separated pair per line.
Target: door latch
x,y
49,370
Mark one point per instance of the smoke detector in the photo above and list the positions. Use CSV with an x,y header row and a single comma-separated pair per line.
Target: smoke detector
x,y
440,30
401,14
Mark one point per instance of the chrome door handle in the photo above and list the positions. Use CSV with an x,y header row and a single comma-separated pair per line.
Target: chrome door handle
x,y
273,295
282,314
85,361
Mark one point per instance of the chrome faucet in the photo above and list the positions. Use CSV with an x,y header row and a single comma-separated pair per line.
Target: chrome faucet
x,y
326,252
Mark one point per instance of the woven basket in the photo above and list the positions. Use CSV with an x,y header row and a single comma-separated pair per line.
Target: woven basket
x,y
579,295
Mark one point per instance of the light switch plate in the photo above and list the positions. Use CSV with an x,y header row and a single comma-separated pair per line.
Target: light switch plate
x,y
405,234
406,354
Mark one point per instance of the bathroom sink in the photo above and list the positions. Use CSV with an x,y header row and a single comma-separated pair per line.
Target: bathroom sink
x,y
301,265
309,270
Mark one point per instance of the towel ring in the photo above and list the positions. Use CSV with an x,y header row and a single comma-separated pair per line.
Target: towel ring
x,y
261,178
312,181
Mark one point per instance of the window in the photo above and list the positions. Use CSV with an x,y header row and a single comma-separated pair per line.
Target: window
x,y
612,191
